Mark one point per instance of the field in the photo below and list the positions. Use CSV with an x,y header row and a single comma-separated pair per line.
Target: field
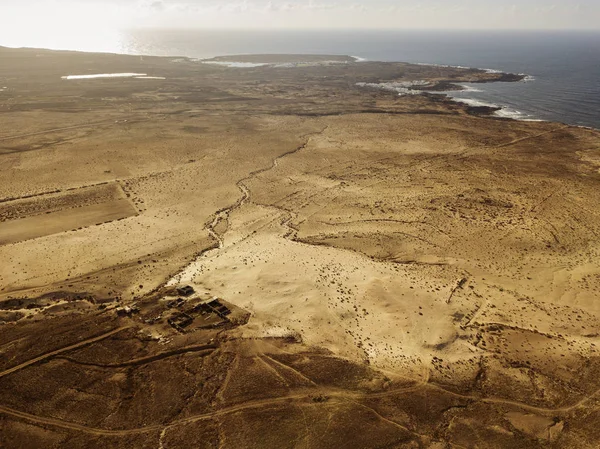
x,y
41,215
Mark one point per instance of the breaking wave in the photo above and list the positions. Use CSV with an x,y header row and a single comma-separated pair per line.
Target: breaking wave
x,y
443,65
476,103
238,65
401,87
467,88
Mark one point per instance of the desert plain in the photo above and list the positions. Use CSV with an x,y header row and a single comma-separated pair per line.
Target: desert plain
x,y
369,269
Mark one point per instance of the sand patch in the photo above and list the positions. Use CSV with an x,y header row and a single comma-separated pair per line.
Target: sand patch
x,y
327,297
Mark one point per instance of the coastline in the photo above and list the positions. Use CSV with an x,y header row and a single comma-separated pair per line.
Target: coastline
x,y
249,61
555,96
473,105
444,87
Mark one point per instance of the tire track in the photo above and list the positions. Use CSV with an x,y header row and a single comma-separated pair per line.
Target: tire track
x,y
51,354
535,136
333,397
205,349
83,125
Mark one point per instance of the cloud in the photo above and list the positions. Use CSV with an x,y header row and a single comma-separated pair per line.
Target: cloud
x,y
272,6
157,5
16,14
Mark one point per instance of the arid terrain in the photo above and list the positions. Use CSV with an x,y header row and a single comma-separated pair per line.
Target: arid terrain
x,y
368,268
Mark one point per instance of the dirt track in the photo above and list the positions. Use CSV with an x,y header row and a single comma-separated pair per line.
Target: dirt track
x,y
52,354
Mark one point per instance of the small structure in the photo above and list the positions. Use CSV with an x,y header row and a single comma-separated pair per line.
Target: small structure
x,y
223,311
219,308
176,303
186,290
180,321
128,310
202,308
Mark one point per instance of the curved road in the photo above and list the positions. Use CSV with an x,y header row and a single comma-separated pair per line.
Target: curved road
x,y
334,397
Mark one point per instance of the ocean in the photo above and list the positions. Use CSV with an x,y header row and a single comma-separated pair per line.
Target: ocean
x,y
563,67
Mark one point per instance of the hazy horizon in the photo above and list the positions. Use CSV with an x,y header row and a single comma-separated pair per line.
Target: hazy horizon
x,y
62,15
55,23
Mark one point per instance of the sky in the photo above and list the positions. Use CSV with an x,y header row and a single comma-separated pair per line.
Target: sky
x,y
27,22
469,14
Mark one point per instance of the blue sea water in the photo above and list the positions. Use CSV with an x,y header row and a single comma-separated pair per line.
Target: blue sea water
x,y
564,66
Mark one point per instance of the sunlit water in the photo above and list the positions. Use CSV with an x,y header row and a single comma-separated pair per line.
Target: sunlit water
x,y
565,66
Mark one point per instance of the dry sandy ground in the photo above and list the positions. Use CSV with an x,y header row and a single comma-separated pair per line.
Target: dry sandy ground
x,y
402,273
